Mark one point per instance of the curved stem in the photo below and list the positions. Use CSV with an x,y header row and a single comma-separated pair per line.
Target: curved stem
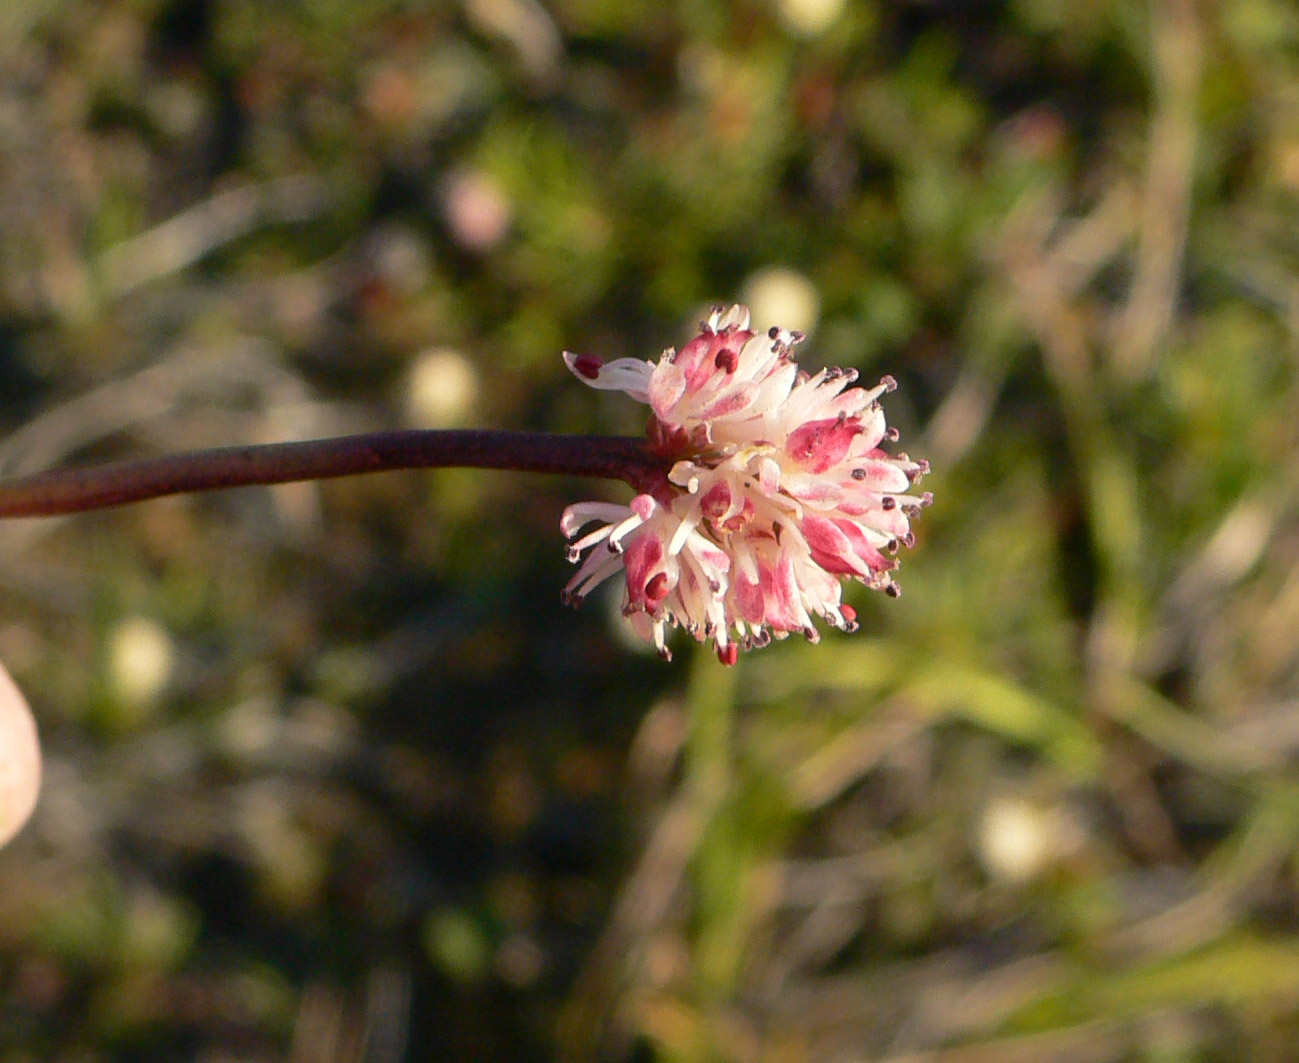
x,y
61,491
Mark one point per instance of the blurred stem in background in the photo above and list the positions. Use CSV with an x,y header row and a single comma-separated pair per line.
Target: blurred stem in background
x,y
717,875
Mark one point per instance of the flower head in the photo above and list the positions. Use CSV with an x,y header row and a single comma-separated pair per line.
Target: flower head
x,y
774,488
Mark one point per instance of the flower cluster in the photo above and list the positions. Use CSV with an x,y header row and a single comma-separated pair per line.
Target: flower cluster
x,y
774,487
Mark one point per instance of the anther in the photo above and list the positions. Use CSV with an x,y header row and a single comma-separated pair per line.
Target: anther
x,y
588,365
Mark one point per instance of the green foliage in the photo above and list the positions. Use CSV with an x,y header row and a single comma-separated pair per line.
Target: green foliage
x,y
331,771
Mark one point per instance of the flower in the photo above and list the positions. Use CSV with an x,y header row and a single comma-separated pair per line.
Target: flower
x,y
774,489
20,759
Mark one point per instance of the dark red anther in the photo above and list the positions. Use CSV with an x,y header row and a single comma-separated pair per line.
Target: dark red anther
x,y
588,365
727,360
657,588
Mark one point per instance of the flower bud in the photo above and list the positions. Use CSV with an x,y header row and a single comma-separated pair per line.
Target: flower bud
x,y
20,759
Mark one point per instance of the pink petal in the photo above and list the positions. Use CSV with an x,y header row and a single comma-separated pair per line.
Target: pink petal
x,y
20,759
666,387
821,445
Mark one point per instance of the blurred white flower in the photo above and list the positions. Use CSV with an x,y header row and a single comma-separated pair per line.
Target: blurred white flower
x,y
1019,839
140,662
784,295
399,257
773,487
476,209
809,18
441,389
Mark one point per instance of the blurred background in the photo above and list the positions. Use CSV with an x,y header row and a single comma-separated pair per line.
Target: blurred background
x,y
332,775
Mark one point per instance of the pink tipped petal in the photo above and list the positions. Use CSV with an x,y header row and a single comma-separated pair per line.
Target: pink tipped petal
x,y
820,445
737,397
643,559
750,602
814,490
643,506
769,476
830,547
582,513
666,386
877,475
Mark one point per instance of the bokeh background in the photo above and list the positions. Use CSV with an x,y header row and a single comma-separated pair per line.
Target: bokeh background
x,y
332,775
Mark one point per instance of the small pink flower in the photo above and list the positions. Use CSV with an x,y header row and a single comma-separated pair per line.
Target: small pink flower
x,y
20,759
775,487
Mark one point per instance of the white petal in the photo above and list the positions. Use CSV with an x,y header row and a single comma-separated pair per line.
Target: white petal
x,y
622,374
581,513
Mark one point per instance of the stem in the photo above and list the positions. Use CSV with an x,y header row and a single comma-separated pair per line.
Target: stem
x,y
61,491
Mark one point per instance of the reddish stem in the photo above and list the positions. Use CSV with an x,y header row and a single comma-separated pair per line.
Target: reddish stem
x,y
60,491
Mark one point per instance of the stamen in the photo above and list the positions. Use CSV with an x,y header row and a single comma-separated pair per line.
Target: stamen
x,y
588,365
